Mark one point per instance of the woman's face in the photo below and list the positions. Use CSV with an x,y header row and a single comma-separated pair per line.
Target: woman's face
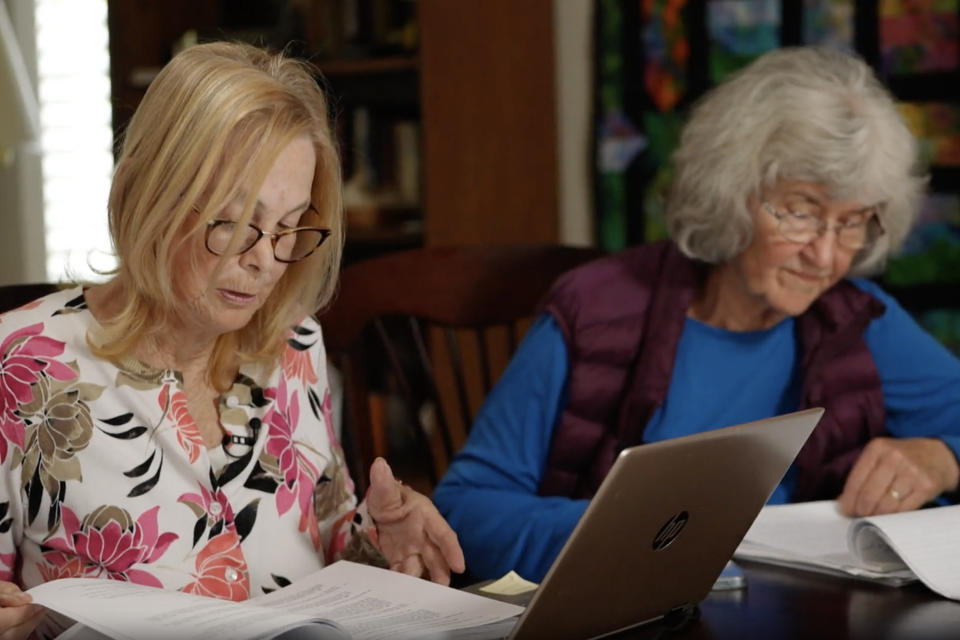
x,y
787,276
218,302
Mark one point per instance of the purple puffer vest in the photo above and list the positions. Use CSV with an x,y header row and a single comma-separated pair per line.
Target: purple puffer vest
x,y
622,316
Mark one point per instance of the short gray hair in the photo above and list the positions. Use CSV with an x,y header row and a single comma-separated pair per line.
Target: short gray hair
x,y
801,113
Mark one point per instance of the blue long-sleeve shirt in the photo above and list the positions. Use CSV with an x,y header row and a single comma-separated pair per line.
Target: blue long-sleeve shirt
x,y
720,378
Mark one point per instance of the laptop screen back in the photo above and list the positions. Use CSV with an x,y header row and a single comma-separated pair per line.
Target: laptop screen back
x,y
664,522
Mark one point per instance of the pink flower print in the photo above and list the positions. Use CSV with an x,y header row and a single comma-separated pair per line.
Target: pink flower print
x,y
297,365
109,543
175,409
71,567
297,473
7,563
214,505
221,569
335,448
24,356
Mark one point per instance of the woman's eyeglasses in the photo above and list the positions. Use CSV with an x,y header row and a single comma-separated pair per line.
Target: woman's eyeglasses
x,y
801,227
289,245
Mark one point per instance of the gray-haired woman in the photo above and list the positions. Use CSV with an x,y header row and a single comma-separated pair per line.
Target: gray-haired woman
x,y
792,176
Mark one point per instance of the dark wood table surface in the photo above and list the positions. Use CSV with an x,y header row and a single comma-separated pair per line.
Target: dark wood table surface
x,y
788,603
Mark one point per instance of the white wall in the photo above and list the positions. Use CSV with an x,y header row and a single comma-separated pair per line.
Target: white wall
x,y
21,196
573,28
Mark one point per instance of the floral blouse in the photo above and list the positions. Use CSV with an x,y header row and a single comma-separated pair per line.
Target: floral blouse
x,y
103,472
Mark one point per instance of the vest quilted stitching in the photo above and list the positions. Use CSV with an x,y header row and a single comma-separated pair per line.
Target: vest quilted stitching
x,y
622,316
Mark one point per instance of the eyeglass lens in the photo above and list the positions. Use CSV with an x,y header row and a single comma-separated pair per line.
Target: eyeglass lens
x,y
807,228
288,246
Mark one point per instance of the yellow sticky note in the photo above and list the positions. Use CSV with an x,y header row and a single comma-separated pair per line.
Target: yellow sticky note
x,y
509,585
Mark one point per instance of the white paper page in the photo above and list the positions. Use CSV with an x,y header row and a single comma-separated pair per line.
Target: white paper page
x,y
812,535
373,603
128,611
808,530
82,632
928,541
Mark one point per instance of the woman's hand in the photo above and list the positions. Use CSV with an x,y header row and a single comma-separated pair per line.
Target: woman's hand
x,y
898,474
413,535
18,618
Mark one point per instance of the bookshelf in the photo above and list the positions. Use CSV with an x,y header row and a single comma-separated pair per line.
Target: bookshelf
x,y
463,91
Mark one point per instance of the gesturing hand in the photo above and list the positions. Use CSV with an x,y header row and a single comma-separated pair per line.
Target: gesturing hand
x,y
413,535
898,474
18,617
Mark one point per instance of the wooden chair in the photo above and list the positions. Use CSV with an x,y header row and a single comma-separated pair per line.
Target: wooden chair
x,y
443,322
17,295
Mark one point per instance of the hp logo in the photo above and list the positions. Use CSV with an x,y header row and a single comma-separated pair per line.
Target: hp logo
x,y
670,531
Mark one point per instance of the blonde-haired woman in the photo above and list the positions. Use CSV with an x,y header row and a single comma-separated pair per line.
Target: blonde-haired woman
x,y
172,426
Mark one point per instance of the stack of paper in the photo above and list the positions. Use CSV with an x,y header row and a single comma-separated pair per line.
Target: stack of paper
x,y
339,601
892,549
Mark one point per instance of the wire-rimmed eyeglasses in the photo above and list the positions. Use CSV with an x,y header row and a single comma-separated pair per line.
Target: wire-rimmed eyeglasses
x,y
289,245
803,228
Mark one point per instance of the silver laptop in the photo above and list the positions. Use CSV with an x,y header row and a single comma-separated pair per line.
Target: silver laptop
x,y
661,527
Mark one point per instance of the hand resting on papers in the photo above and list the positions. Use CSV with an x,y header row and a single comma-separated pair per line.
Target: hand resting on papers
x,y
413,536
898,474
18,617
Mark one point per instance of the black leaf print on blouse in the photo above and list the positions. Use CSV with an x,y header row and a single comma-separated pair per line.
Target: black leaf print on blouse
x,y
5,522
117,421
129,434
315,405
199,528
261,480
53,515
141,468
246,518
215,530
144,487
76,304
280,581
34,495
301,345
257,398
232,470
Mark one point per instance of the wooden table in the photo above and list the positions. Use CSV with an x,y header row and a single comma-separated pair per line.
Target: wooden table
x,y
783,603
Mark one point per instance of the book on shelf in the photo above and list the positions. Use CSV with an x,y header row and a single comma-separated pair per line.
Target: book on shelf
x,y
893,549
341,601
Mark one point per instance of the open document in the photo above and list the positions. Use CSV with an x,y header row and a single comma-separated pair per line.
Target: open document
x,y
893,549
343,600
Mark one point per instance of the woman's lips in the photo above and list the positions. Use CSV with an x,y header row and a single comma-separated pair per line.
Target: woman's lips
x,y
807,277
236,297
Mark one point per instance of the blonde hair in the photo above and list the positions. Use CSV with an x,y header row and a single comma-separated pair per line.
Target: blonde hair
x,y
801,113
207,132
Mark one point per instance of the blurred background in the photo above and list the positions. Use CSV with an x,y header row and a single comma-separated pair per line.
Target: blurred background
x,y
462,122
